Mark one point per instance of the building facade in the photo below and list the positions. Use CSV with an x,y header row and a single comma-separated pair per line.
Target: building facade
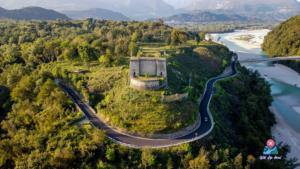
x,y
155,66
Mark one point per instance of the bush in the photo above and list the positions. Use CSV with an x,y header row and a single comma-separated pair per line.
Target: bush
x,y
110,154
116,63
147,75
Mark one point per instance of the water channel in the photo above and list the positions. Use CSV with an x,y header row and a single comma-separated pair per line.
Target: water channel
x,y
284,95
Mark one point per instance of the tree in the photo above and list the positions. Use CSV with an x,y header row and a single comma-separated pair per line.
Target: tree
x,y
183,38
116,63
209,36
178,36
160,21
104,60
170,163
219,38
185,29
133,48
86,53
134,37
110,154
200,162
46,90
139,54
24,89
238,161
202,35
168,41
147,158
250,161
52,51
186,160
175,37
147,75
197,39
215,157
102,165
97,45
68,55
119,50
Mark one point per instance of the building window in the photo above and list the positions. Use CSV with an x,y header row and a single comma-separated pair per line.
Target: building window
x,y
161,74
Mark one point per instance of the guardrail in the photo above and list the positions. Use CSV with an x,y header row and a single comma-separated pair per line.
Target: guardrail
x,y
167,145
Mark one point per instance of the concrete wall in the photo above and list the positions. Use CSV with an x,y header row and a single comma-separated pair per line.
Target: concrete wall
x,y
161,67
145,84
148,65
155,66
134,66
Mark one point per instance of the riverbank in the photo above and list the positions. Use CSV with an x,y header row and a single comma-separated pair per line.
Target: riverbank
x,y
280,73
257,38
283,133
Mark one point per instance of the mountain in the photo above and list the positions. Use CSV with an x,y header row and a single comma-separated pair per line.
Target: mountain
x,y
277,9
31,13
134,9
96,13
179,3
205,17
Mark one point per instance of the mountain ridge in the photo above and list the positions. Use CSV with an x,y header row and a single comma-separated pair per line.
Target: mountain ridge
x,y
134,9
31,13
205,17
96,13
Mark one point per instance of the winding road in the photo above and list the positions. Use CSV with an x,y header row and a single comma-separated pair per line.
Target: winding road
x,y
204,129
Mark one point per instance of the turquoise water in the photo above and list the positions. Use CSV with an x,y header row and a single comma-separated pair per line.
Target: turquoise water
x,y
284,95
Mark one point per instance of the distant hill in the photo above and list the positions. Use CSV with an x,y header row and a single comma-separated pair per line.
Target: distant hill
x,y
134,9
277,9
96,13
205,17
31,13
179,3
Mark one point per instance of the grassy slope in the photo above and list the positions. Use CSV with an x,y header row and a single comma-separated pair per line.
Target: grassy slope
x,y
143,112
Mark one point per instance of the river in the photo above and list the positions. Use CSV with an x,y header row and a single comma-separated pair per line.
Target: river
x,y
285,97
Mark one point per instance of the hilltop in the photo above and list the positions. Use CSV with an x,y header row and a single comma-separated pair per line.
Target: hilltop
x,y
31,13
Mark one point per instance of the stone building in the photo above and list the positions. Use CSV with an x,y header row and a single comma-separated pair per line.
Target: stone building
x,y
155,67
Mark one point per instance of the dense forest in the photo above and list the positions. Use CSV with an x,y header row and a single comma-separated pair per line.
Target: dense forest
x,y
284,40
35,112
221,27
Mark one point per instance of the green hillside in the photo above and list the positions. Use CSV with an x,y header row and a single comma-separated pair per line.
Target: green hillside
x,y
35,112
284,40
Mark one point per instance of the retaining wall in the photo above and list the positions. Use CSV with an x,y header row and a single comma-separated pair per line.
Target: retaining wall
x,y
145,84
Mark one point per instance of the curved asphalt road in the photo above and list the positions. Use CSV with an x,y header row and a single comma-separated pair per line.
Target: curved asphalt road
x,y
204,127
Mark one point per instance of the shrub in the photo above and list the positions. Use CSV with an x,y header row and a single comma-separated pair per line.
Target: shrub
x,y
116,63
147,75
110,154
